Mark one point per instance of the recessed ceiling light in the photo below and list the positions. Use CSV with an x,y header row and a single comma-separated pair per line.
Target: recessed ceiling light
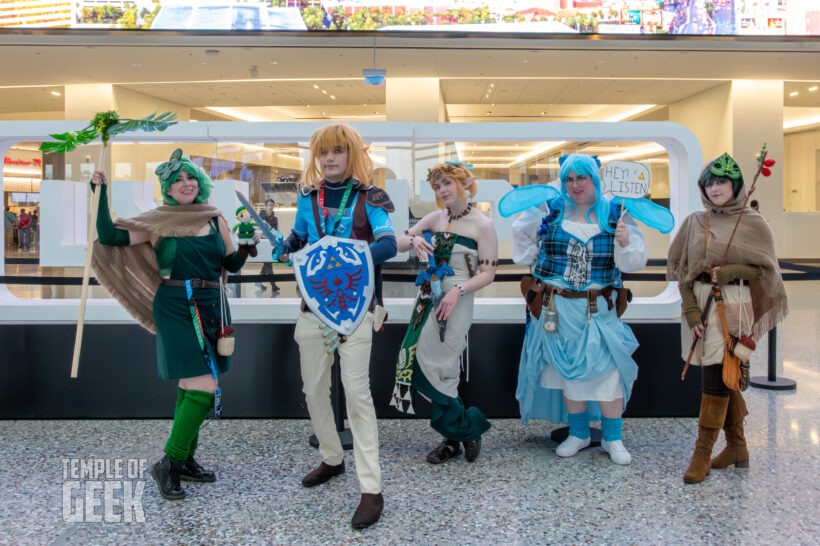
x,y
323,113
793,94
324,91
813,88
333,97
273,62
56,93
315,86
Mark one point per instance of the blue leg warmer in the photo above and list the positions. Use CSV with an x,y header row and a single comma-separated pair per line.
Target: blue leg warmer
x,y
578,425
611,428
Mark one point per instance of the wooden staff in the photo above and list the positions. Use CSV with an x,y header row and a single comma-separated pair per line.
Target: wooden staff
x,y
89,250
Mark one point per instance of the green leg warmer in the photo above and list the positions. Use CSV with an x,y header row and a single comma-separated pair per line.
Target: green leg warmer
x,y
192,409
195,442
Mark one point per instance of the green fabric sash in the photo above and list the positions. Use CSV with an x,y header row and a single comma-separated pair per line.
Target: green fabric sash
x,y
402,399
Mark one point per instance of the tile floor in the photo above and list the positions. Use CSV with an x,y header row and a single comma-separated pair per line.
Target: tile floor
x,y
517,492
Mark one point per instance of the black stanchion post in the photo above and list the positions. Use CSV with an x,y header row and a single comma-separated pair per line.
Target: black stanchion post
x,y
772,382
345,435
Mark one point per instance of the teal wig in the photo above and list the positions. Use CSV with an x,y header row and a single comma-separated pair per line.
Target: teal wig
x,y
587,166
168,173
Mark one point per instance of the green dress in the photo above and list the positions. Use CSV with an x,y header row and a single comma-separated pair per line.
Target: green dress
x,y
178,351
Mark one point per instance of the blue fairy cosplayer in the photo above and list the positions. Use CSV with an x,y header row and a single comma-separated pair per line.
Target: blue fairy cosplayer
x,y
576,362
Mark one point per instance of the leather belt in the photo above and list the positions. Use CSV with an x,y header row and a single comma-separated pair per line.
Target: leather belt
x,y
195,283
590,295
571,294
705,278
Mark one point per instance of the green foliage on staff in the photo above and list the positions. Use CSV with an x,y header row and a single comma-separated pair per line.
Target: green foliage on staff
x,y
106,125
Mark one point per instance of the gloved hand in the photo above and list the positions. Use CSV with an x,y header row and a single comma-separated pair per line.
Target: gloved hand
x,y
732,272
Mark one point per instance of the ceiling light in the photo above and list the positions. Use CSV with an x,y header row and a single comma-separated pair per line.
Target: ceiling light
x,y
333,97
56,93
273,62
315,86
813,88
793,94
324,91
323,113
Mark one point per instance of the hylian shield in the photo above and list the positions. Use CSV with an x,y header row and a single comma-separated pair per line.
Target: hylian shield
x,y
335,277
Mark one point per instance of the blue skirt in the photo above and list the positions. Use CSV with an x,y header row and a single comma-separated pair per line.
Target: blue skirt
x,y
580,350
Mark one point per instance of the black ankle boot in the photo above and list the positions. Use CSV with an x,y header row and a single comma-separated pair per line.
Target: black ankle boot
x,y
192,471
166,474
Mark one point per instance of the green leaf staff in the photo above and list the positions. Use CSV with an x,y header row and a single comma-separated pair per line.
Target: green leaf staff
x,y
104,125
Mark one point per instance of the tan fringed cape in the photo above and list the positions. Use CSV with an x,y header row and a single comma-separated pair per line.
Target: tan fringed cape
x,y
753,244
130,273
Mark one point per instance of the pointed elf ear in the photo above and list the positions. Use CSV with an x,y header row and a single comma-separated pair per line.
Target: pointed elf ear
x,y
468,182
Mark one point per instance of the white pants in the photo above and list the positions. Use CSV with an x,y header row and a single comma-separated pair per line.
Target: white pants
x,y
354,357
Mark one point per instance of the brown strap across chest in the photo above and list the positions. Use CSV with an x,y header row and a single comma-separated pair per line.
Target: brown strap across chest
x,y
361,229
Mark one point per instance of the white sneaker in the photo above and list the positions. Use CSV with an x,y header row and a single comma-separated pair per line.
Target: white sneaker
x,y
571,446
617,451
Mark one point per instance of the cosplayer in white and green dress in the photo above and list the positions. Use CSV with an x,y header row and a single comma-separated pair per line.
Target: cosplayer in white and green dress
x,y
144,262
462,253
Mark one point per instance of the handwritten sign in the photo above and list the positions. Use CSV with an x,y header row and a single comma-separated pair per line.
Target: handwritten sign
x,y
625,179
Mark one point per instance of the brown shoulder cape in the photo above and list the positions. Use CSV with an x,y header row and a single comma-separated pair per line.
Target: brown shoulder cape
x,y
753,244
130,273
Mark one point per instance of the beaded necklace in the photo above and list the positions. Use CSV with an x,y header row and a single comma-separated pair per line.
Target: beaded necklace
x,y
453,217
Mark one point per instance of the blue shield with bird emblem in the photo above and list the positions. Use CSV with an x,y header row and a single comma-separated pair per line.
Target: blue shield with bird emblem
x,y
335,277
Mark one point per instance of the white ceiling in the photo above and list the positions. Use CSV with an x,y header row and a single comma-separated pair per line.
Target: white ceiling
x,y
308,76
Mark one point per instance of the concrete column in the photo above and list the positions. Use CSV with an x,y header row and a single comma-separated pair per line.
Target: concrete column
x,y
757,117
84,100
738,117
414,99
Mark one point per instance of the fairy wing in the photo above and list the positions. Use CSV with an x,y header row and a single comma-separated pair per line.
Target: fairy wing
x,y
651,214
520,199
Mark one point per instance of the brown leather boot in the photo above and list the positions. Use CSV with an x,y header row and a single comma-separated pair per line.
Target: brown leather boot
x,y
735,453
322,473
369,510
711,418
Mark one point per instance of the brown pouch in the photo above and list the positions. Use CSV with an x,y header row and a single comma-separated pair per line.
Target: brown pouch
x,y
622,300
533,291
735,377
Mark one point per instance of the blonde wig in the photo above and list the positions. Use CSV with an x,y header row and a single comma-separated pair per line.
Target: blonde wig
x,y
458,172
359,164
